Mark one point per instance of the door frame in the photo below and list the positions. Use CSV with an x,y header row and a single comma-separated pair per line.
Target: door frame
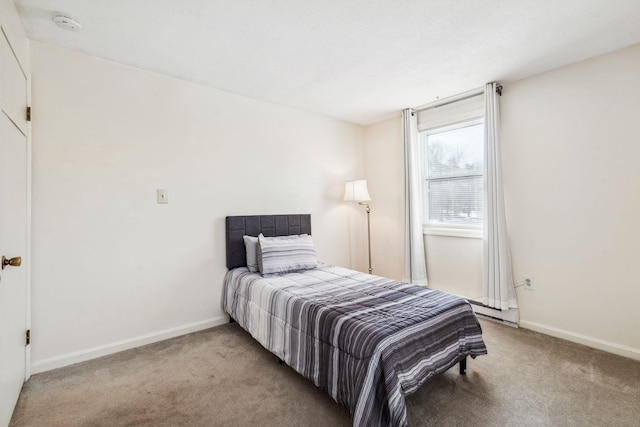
x,y
27,352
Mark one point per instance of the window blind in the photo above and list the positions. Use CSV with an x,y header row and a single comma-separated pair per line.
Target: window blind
x,y
451,113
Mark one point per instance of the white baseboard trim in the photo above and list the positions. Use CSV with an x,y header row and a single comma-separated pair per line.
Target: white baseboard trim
x,y
621,350
508,316
104,350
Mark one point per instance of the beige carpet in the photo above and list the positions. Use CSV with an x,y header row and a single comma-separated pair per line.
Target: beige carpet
x,y
222,377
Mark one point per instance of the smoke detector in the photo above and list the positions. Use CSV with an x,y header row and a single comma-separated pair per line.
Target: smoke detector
x,y
66,21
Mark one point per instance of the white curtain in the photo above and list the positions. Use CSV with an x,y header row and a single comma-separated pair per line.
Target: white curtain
x,y
497,281
415,266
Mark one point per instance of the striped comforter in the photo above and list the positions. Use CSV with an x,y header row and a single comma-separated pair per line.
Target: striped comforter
x,y
366,340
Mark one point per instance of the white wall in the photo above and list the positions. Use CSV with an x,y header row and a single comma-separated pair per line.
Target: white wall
x,y
572,187
385,180
113,269
454,264
570,153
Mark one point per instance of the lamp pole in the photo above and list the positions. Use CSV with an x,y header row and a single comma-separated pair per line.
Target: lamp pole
x,y
368,232
356,191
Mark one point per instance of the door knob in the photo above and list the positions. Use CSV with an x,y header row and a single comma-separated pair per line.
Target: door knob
x,y
13,262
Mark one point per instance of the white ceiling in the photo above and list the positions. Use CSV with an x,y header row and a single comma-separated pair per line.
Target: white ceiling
x,y
356,60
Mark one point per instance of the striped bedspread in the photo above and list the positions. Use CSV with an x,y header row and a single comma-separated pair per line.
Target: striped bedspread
x,y
366,340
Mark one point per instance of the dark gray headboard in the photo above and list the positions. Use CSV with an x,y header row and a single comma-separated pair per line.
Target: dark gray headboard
x,y
252,225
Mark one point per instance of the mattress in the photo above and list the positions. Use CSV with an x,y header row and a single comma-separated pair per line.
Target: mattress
x,y
366,340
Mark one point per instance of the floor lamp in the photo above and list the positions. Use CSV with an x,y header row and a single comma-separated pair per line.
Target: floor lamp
x,y
356,191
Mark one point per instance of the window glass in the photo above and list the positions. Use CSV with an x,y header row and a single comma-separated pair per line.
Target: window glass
x,y
453,165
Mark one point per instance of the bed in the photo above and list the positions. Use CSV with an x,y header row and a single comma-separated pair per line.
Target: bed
x,y
366,340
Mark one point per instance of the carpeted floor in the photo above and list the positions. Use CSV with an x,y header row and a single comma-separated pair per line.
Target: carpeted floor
x,y
222,377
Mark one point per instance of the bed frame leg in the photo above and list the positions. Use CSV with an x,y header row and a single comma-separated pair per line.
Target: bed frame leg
x,y
463,366
280,361
231,320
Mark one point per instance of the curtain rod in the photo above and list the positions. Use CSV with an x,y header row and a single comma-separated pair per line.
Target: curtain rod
x,y
451,99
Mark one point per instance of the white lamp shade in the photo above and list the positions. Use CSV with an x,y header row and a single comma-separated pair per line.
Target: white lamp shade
x,y
356,191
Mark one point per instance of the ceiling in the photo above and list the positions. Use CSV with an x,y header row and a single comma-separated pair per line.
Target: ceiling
x,y
355,60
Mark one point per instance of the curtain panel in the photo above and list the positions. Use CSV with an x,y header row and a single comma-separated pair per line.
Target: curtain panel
x,y
415,265
497,277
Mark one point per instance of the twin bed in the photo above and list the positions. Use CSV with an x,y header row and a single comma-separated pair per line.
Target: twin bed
x,y
367,341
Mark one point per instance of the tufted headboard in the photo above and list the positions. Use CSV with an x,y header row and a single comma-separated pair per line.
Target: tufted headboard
x,y
252,225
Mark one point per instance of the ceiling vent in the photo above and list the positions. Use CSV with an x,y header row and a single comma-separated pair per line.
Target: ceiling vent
x,y
66,21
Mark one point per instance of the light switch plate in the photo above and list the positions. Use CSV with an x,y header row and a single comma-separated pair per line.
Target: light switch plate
x,y
163,196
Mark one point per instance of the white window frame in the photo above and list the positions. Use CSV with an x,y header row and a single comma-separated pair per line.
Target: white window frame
x,y
450,230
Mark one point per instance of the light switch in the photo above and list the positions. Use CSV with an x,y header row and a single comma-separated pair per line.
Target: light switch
x,y
163,197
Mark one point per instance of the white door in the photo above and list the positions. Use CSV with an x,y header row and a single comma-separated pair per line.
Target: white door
x,y
13,228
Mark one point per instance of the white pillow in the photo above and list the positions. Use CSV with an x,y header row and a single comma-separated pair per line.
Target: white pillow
x,y
251,247
286,254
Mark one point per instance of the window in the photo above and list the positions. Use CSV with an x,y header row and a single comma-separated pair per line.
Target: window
x,y
452,170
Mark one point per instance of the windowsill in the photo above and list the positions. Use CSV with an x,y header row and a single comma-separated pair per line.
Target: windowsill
x,y
470,233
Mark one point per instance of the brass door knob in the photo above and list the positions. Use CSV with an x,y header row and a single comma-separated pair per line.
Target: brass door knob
x,y
13,262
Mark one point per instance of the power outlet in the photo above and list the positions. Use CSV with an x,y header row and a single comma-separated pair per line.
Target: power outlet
x,y
528,283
